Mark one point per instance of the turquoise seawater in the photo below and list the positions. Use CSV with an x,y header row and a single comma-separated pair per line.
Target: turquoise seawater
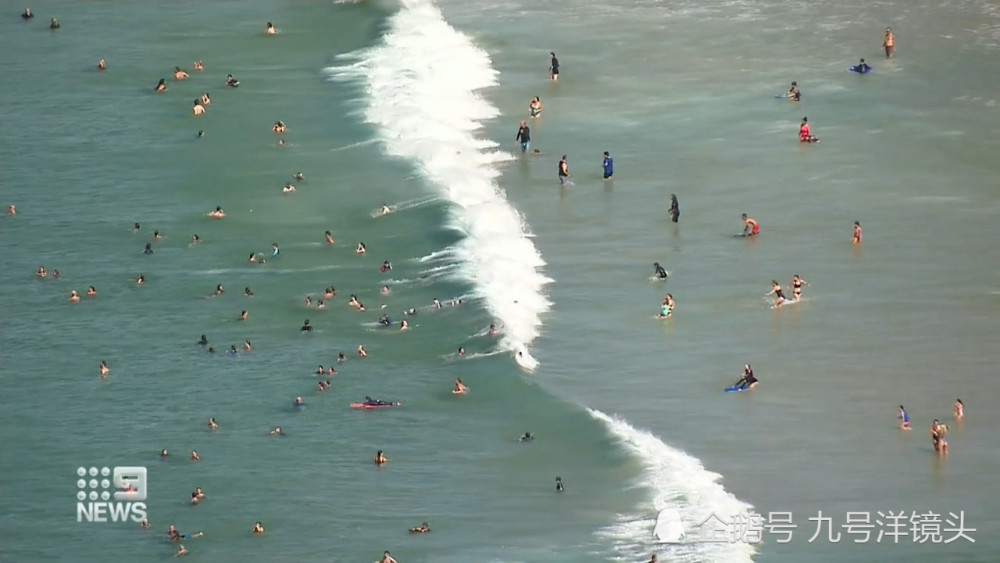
x,y
416,106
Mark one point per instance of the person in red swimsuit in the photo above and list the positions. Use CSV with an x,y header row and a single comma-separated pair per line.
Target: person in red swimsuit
x,y
750,226
805,135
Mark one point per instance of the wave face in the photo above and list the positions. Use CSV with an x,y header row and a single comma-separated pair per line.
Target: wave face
x,y
681,482
422,83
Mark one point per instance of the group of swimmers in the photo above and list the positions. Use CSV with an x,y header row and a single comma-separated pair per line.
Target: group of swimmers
x,y
938,430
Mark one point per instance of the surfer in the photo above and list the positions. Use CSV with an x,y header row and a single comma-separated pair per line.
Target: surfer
x,y
608,165
667,308
904,418
748,381
805,133
523,136
938,431
856,239
675,208
959,409
889,43
659,272
554,67
563,170
421,529
779,295
793,92
797,284
750,226
535,107
460,387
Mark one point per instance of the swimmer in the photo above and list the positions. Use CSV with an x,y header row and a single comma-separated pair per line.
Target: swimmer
x,y
101,65
559,485
329,293
203,341
135,227
666,308
253,258
278,431
320,370
535,107
179,74
403,325
563,170
421,529
320,304
174,535
232,350
889,43
527,437
246,346
797,284
140,280
938,432
384,320
11,211
437,304
675,208
386,266
659,272
103,367
298,176
856,237
386,558
361,352
270,29
281,142
493,330
232,82
385,290
181,550
298,402
148,250
523,136
460,388
461,352
778,293
54,24
163,454
278,127
805,133
411,311
41,274
863,67
144,523
217,213
195,457
793,93
247,292
959,409
91,291
380,458
652,559
331,371
73,297
157,237
161,86
212,425
361,248
608,165
205,100
198,66
306,327
274,250
328,237
748,381
195,240
55,275
211,349
243,315
258,528
554,67
750,226
385,210
321,387
27,14
341,358
904,418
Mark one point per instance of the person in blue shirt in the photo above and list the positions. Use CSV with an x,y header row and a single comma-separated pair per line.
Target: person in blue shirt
x,y
609,165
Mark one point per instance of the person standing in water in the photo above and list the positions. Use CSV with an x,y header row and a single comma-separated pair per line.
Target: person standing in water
x,y
675,209
778,293
889,43
797,284
857,233
523,136
535,107
563,171
751,228
793,92
608,165
904,418
554,67
938,432
959,409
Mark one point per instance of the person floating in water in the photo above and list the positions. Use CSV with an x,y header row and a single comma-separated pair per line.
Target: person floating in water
x,y
554,67
659,272
793,93
778,293
856,238
421,529
751,227
889,43
862,67
523,136
748,381
797,284
904,418
667,307
563,171
179,74
805,133
608,165
675,208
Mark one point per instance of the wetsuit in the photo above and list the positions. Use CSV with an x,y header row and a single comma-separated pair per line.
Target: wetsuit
x,y
554,66
675,210
524,137
306,328
661,273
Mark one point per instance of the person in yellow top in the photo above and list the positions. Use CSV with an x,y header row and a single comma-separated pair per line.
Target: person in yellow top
x,y
889,43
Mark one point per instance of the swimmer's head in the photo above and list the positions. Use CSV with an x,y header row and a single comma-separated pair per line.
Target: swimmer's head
x,y
744,216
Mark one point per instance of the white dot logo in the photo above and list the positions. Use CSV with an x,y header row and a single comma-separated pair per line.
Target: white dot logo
x,y
105,484
105,472
81,496
93,472
105,495
93,483
81,471
81,484
93,495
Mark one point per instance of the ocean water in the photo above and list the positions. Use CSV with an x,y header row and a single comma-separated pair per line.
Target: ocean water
x,y
415,104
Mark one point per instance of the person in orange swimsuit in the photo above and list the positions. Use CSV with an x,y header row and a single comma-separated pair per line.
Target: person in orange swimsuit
x,y
889,43
750,226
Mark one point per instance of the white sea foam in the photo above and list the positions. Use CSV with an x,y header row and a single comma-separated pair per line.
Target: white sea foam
x,y
421,84
679,481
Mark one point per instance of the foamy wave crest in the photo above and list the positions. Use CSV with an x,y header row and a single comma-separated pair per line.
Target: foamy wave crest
x,y
421,85
679,481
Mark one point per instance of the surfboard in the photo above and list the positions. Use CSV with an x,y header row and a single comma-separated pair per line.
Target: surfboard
x,y
668,528
859,71
370,407
735,389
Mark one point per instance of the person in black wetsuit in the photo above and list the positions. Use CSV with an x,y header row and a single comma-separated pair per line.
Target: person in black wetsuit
x,y
675,208
306,327
748,381
554,67
659,272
